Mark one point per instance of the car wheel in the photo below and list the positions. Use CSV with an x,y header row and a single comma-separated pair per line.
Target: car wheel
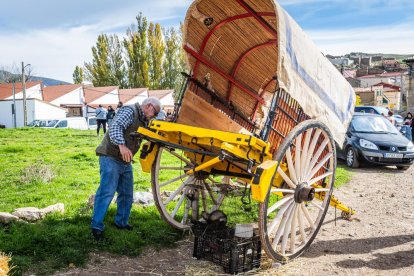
x,y
351,158
403,168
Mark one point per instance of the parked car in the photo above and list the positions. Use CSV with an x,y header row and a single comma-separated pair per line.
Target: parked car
x,y
373,139
92,123
372,109
399,120
70,122
39,123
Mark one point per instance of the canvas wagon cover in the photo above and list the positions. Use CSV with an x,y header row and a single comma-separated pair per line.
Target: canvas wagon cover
x,y
240,48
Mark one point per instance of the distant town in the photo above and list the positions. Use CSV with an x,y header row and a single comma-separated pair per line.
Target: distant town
x,y
379,80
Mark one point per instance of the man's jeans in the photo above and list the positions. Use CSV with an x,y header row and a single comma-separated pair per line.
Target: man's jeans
x,y
115,176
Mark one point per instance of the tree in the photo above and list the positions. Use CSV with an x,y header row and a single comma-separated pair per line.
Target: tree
x,y
98,71
78,75
107,66
137,54
172,64
156,51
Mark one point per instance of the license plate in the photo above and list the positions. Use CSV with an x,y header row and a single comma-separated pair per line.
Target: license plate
x,y
393,155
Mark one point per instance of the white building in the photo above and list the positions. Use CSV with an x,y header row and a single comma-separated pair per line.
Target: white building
x,y
36,109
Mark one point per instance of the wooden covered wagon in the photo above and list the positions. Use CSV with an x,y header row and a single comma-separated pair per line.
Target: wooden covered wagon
x,y
262,106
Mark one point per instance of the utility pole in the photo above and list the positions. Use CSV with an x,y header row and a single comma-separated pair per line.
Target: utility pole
x,y
14,106
24,97
24,94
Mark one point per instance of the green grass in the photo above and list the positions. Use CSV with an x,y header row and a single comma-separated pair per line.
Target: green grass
x,y
60,240
69,173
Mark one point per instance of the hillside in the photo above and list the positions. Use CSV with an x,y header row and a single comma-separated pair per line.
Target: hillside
x,y
5,75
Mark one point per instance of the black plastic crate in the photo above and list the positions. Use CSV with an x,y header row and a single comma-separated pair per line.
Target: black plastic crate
x,y
220,246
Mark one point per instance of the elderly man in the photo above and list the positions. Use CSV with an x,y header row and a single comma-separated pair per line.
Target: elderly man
x,y
115,156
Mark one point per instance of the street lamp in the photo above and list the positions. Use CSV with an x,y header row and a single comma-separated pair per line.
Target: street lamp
x,y
24,94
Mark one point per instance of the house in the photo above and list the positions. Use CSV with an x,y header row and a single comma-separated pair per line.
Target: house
x,y
95,96
166,98
33,90
36,109
68,96
393,94
133,95
380,94
391,65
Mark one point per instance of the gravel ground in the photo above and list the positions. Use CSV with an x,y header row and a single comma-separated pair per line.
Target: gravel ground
x,y
379,239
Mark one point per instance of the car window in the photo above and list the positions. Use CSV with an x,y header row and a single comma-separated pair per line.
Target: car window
x,y
33,123
42,123
52,123
372,124
62,123
92,121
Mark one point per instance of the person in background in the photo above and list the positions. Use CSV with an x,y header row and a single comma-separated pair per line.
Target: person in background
x,y
110,116
115,156
408,119
120,104
101,113
161,116
391,118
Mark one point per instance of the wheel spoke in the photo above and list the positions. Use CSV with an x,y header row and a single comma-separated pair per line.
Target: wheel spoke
x,y
298,152
316,179
307,216
175,193
317,205
317,154
293,231
317,167
312,149
282,224
286,178
279,204
291,167
305,153
170,168
286,191
210,192
288,228
180,177
277,219
301,225
179,157
320,190
183,196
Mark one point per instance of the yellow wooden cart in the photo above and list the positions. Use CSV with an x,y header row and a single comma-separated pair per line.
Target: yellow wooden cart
x,y
261,107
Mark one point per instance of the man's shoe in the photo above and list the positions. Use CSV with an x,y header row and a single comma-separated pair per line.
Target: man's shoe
x,y
97,235
126,227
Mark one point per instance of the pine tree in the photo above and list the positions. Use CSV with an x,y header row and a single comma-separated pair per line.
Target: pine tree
x,y
156,51
78,75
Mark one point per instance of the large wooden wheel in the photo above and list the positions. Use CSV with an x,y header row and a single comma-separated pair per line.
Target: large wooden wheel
x,y
181,197
292,214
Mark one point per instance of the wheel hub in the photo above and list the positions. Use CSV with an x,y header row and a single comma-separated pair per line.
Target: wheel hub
x,y
303,192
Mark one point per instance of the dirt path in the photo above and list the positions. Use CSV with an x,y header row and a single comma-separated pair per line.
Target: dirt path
x,y
379,241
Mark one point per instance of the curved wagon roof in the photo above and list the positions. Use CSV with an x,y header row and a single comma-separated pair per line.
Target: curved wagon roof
x,y
245,49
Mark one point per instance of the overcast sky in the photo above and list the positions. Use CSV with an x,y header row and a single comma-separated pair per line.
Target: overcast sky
x,y
55,36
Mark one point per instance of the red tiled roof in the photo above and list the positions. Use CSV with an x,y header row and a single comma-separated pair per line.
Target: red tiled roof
x,y
127,94
51,93
6,89
93,93
159,94
395,87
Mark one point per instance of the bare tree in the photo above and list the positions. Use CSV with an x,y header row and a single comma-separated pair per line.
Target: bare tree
x,y
8,74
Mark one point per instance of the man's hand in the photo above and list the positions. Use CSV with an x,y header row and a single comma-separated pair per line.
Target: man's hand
x,y
125,153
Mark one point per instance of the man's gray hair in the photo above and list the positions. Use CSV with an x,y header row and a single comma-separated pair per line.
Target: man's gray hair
x,y
154,101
